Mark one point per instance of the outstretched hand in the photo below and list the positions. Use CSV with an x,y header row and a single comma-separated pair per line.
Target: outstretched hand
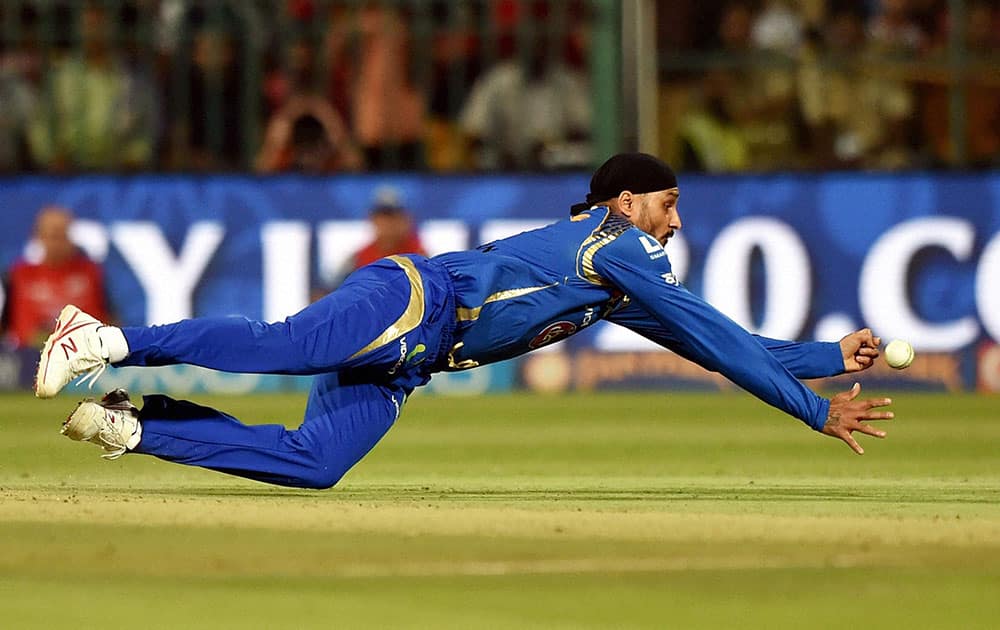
x,y
846,415
860,349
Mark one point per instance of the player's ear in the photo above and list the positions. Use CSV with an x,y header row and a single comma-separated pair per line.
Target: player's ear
x,y
625,201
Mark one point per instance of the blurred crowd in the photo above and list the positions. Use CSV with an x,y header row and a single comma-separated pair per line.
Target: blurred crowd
x,y
826,84
325,86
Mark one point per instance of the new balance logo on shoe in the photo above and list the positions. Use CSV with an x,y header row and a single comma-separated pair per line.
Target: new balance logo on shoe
x,y
72,350
67,346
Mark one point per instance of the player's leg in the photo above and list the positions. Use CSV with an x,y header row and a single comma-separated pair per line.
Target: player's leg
x,y
342,423
320,338
375,305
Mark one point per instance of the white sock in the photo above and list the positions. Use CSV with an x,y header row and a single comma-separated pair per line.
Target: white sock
x,y
136,437
114,347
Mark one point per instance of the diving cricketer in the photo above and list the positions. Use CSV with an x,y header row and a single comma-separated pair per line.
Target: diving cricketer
x,y
394,323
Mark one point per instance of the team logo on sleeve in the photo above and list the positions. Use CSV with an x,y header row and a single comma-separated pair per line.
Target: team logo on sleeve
x,y
652,247
552,333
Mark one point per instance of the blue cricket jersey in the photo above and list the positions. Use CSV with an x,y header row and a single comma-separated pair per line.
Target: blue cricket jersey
x,y
520,293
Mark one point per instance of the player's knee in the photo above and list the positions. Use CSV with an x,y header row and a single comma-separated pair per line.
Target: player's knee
x,y
321,478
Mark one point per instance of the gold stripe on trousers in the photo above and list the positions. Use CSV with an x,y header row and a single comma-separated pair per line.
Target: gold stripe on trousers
x,y
412,315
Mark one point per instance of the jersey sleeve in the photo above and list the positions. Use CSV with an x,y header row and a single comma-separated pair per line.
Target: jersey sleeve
x,y
808,359
633,265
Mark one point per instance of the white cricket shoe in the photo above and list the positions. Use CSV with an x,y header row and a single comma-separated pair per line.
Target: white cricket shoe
x,y
73,349
112,423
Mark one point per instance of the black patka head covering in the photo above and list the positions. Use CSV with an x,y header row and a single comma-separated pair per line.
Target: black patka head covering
x,y
637,172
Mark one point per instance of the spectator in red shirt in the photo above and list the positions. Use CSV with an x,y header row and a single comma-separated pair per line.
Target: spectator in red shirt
x,y
393,232
38,286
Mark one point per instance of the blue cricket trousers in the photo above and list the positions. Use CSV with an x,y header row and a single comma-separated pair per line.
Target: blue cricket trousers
x,y
369,344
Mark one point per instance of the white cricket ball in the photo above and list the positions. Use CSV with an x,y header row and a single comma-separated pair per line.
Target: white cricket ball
x,y
898,354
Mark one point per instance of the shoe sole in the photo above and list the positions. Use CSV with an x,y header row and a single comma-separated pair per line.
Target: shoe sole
x,y
64,327
82,424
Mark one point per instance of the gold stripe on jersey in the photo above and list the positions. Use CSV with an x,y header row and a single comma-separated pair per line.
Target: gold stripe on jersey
x,y
587,261
412,315
611,227
469,314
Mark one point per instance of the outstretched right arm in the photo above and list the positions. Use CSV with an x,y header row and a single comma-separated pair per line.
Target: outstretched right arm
x,y
711,339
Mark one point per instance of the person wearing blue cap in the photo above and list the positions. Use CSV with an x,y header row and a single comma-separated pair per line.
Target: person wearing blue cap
x,y
396,322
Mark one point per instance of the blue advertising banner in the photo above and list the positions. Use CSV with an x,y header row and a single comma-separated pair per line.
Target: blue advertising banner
x,y
915,256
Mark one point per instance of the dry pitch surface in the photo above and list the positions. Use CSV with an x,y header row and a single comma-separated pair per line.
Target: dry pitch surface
x,y
521,511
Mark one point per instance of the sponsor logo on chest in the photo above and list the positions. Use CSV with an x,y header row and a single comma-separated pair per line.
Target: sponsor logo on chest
x,y
652,247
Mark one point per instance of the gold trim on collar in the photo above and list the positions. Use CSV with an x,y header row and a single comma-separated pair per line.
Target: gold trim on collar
x,y
468,314
412,315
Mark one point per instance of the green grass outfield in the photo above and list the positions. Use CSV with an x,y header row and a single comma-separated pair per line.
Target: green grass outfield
x,y
585,511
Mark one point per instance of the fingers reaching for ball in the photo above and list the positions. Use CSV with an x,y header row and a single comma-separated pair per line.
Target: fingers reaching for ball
x,y
859,349
849,414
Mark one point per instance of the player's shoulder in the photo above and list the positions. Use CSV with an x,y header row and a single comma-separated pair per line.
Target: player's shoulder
x,y
625,238
612,238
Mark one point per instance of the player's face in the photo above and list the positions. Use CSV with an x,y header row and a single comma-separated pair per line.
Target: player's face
x,y
657,214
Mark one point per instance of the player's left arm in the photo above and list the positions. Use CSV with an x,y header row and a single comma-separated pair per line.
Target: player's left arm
x,y
855,352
